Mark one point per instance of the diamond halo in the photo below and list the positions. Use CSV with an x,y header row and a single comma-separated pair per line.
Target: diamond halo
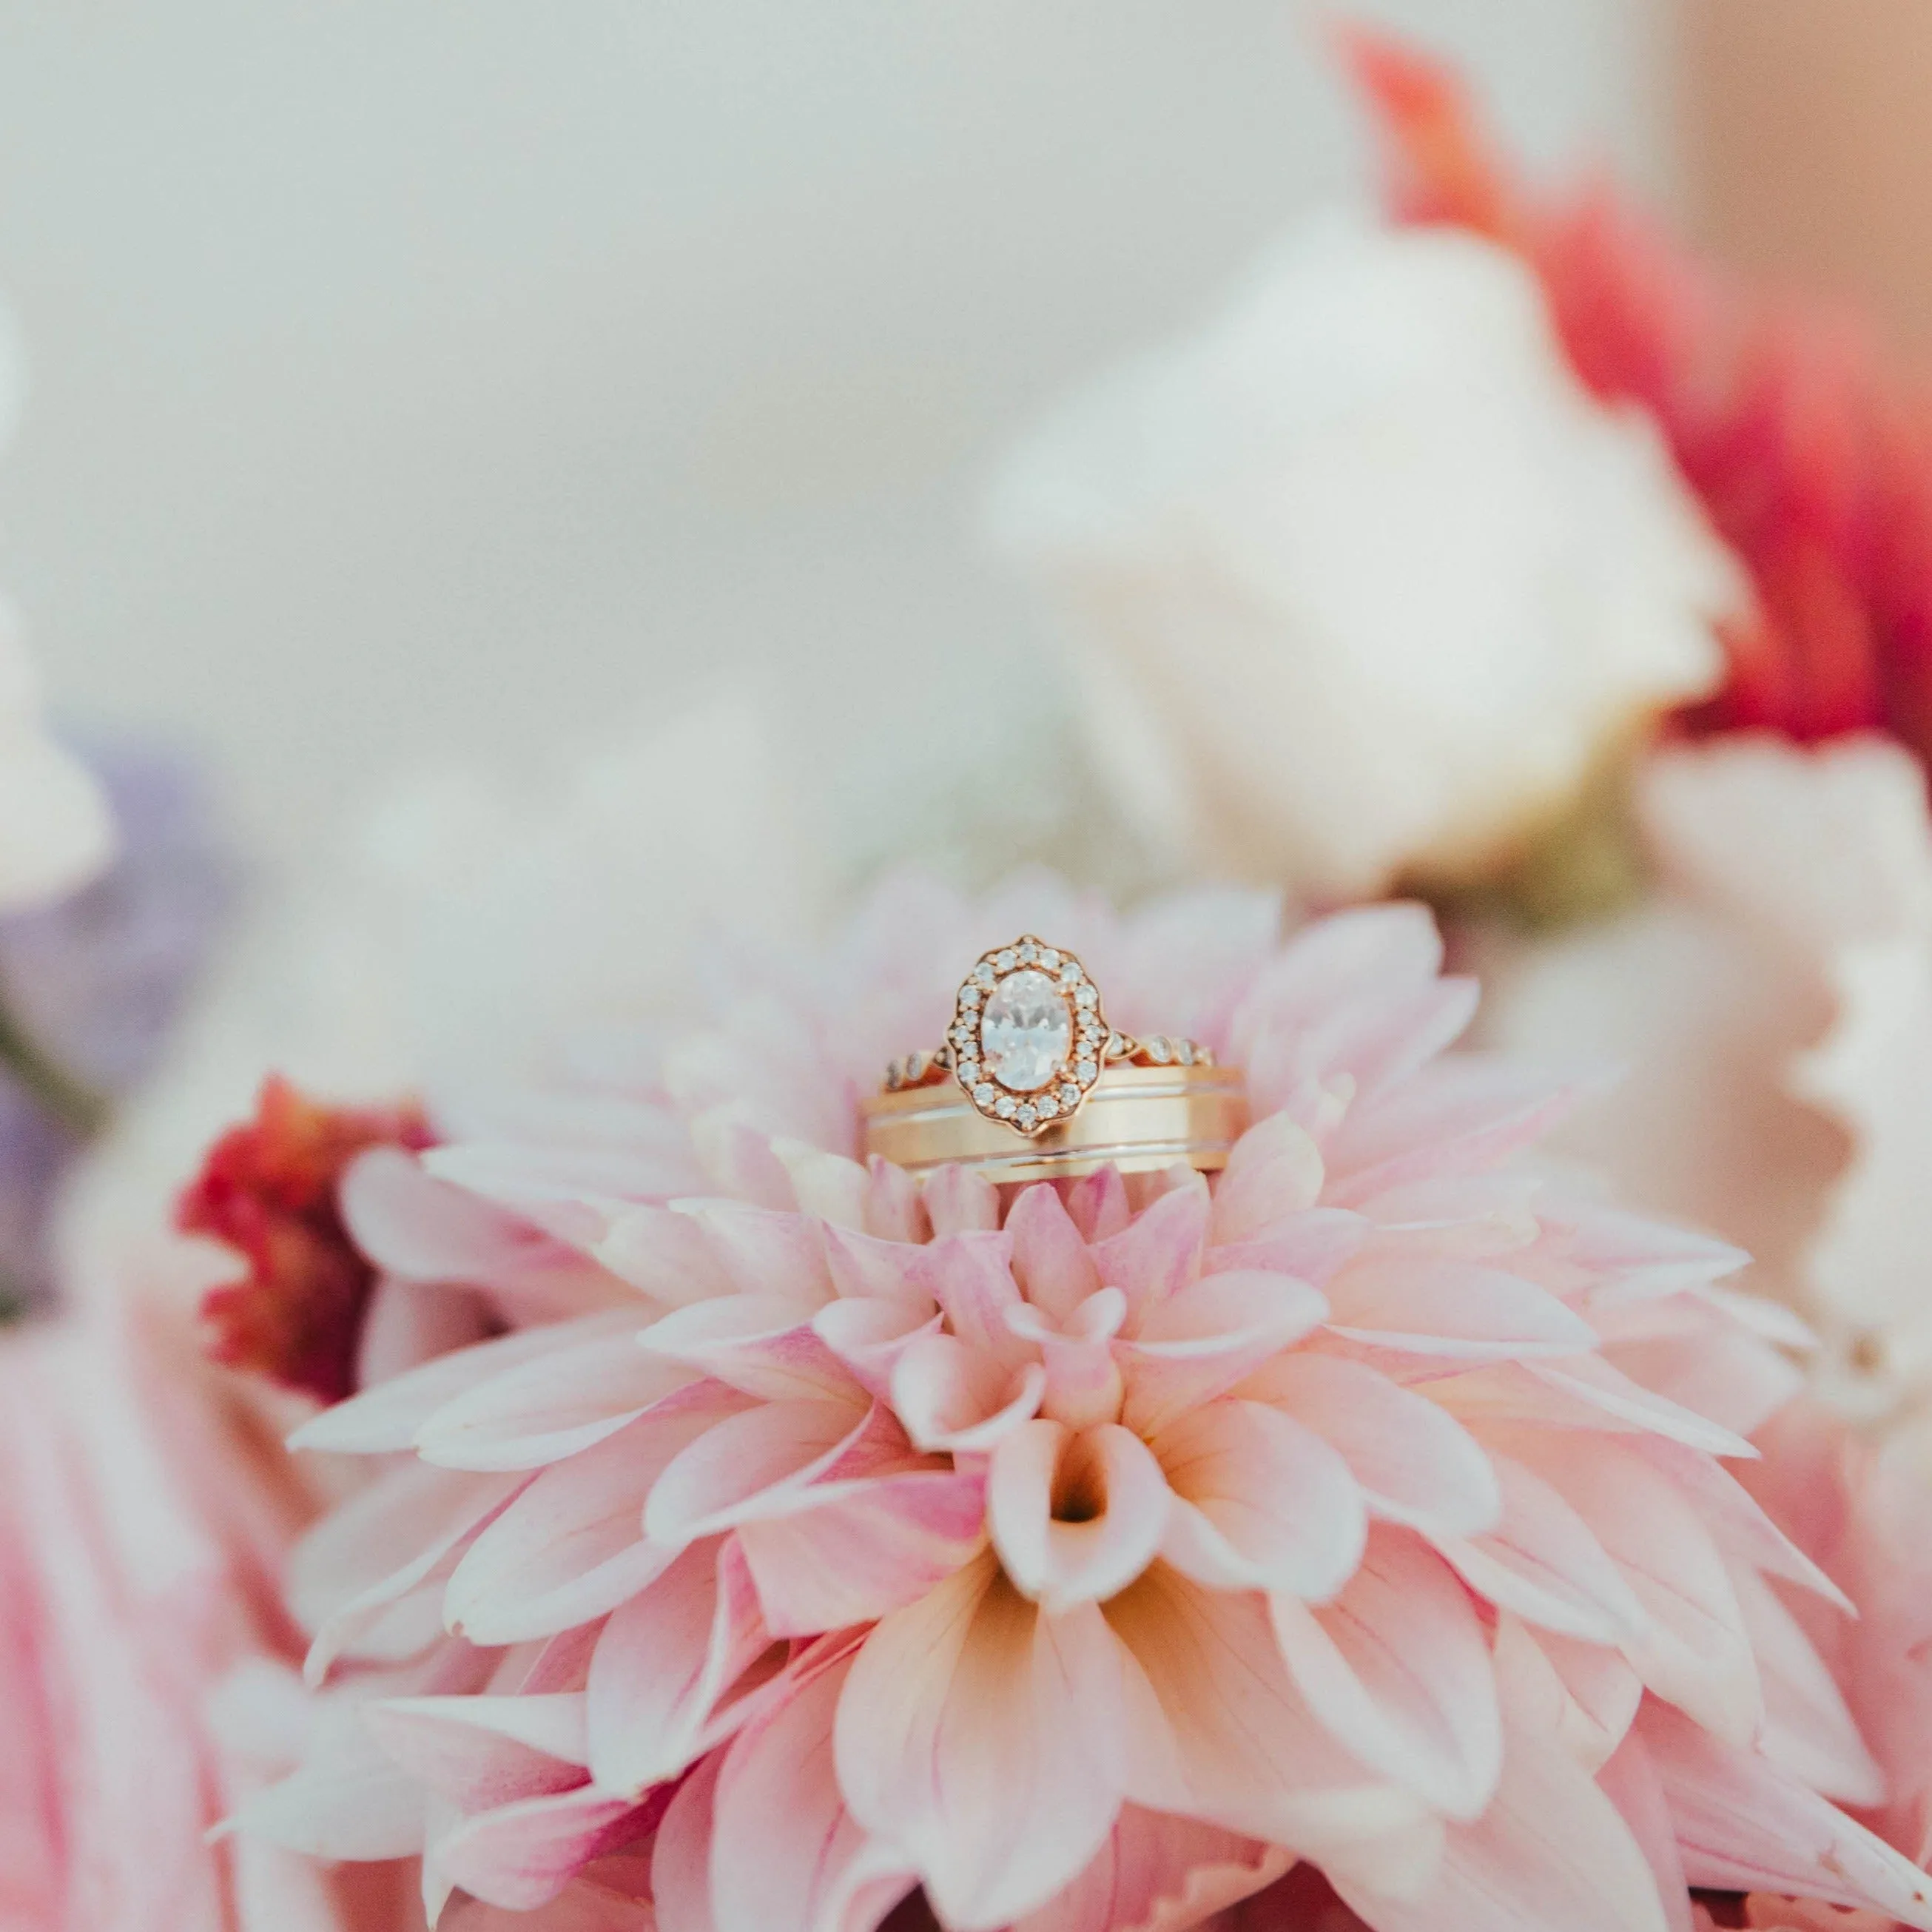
x,y
1029,1035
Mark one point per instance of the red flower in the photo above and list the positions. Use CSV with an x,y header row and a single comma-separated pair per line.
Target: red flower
x,y
268,1190
1813,460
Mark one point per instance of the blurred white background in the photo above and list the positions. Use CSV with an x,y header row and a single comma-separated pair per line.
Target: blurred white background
x,y
410,377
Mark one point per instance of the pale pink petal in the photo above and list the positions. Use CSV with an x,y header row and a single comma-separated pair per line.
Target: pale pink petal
x,y
1550,1851
970,1277
1432,1306
571,1545
866,1267
1542,1561
1051,1260
1581,1693
869,1335
1596,1382
1274,1171
1416,1464
894,1211
1261,1502
979,1736
1398,1667
1630,1781
663,1662
521,1856
1098,1205
1382,948
951,1397
786,1855
761,1251
1218,1731
1159,1251
730,1473
1744,1825
482,1752
681,1854
765,1345
1203,1338
1311,1246
348,1798
403,1531
544,1409
1083,1384
1157,1872
1075,1517
1808,1730
408,1323
665,1254
1694,1649
828,1185
883,1544
959,1201
387,1416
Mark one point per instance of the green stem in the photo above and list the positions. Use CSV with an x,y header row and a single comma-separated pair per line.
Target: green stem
x,y
71,1102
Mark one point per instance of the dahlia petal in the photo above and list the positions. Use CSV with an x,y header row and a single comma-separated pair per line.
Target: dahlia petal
x,y
1083,1384
1737,1523
951,1397
1262,1503
1275,1171
550,1407
785,1854
582,1906
1550,1850
1437,1306
387,1416
743,1466
1459,1116
1608,1389
1202,1339
410,1224
894,1212
864,1268
1051,1260
959,1201
664,1254
1398,1667
1098,1205
519,1856
1157,1872
571,1545
1382,948
1694,1650
348,1799
1217,1732
1630,1781
765,1345
1416,1464
738,1160
828,1185
1808,1732
970,1277
1312,1246
762,1251
1641,1257
1744,1825
1734,1379
1159,1251
1381,1040
978,1735
681,1853
572,1193
1123,1498
665,1659
869,1334
1542,1561
1582,1693
400,1532
407,1323
877,1549
482,1752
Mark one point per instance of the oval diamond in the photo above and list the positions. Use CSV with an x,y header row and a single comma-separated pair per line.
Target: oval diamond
x,y
1025,1031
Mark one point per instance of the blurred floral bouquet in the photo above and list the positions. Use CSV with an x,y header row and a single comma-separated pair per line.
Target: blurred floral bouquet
x,y
1458,1500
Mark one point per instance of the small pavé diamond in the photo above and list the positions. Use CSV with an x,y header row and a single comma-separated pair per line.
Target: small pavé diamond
x,y
1070,1095
1028,953
1071,973
1087,996
1046,1106
983,1095
969,1073
1085,1073
1006,1106
1183,1052
984,973
1159,1051
1006,960
1050,959
1027,1115
970,996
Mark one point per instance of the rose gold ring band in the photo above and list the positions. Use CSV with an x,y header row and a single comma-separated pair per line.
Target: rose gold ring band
x,y
1139,1119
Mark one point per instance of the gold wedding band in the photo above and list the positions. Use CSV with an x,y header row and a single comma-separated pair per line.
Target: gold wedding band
x,y
1032,1083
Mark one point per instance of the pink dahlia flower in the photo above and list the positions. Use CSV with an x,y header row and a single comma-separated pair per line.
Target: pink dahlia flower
x,y
1081,1556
